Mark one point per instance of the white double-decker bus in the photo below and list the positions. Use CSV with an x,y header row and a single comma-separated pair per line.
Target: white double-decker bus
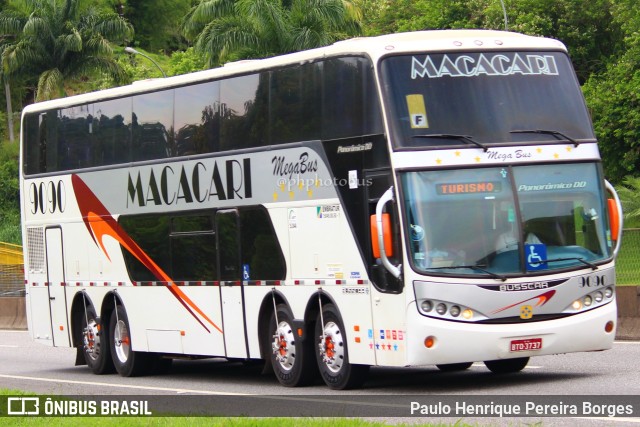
x,y
430,198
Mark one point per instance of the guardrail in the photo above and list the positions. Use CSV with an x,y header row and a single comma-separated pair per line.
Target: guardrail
x,y
11,270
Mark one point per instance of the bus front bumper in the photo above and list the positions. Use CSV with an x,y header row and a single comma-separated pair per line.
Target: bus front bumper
x,y
455,342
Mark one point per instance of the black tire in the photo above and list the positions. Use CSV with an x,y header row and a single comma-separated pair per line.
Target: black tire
x,y
454,367
127,362
332,353
291,357
95,343
507,366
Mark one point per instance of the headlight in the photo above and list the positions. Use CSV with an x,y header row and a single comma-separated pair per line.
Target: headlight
x,y
441,309
454,311
426,306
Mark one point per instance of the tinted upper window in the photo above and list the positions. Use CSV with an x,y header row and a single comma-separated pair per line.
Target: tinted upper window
x,y
197,119
331,99
152,126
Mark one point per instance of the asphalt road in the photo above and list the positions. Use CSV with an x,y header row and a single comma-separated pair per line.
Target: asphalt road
x,y
27,366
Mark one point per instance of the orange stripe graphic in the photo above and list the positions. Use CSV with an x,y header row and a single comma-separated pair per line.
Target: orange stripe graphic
x,y
100,223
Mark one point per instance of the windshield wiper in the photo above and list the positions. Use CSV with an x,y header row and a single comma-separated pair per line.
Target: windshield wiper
x,y
464,138
558,135
582,260
471,267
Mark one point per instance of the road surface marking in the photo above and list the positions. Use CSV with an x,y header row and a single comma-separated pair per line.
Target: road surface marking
x,y
136,387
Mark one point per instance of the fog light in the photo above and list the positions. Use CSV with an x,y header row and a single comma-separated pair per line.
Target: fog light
x,y
608,293
429,341
467,314
577,305
598,296
426,306
454,311
609,326
587,301
441,309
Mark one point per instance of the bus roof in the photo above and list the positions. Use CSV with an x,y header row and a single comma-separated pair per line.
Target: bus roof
x,y
374,47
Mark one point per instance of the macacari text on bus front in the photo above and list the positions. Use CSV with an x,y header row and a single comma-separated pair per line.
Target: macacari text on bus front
x,y
499,64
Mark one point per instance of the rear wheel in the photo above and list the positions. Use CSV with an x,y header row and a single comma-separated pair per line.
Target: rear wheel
x,y
507,366
453,367
127,362
332,352
291,357
95,343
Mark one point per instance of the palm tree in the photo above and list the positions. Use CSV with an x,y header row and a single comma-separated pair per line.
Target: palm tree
x,y
629,193
228,30
60,41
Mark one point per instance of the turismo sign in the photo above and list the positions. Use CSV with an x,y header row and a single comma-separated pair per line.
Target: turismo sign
x,y
484,64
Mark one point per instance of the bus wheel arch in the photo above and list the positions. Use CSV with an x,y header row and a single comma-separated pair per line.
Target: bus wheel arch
x,y
127,362
332,352
90,336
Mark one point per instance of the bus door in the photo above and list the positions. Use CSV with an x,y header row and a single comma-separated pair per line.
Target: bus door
x,y
388,302
231,289
55,280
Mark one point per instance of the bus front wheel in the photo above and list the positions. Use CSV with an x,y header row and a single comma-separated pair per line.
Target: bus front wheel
x,y
291,356
507,366
127,362
332,355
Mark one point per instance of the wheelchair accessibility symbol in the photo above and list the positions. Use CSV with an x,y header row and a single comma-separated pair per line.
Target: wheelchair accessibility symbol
x,y
246,273
536,256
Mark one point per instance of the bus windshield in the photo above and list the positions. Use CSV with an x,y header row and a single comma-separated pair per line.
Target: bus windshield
x,y
456,99
505,220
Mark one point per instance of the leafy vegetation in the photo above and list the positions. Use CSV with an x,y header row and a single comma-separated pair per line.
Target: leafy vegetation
x,y
229,30
57,42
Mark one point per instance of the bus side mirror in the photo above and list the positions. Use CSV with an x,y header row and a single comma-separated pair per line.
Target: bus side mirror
x,y
386,232
614,219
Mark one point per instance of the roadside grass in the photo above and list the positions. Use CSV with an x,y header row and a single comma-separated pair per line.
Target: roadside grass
x,y
97,421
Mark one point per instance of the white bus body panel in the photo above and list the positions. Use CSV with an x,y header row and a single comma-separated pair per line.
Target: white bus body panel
x,y
453,343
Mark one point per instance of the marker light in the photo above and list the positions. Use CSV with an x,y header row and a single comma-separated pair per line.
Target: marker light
x,y
609,326
441,309
426,306
577,305
454,311
598,296
429,341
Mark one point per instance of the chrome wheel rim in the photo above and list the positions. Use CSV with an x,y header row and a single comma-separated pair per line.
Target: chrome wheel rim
x,y
91,339
283,346
332,347
122,341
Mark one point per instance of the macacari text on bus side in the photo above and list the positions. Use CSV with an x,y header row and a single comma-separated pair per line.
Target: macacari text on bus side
x,y
199,184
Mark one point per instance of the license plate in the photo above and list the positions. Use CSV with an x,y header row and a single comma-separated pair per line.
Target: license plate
x,y
526,345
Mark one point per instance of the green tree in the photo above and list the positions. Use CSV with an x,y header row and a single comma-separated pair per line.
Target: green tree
x,y
629,193
588,28
157,22
60,41
228,30
614,100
